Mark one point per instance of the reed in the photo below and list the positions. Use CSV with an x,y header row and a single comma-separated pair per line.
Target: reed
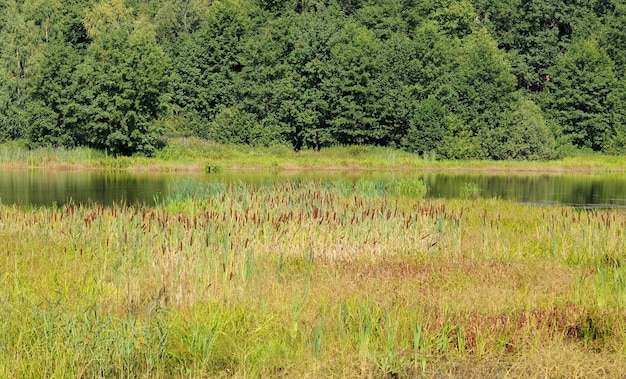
x,y
311,278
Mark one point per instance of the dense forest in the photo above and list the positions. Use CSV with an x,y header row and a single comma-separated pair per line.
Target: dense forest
x,y
500,79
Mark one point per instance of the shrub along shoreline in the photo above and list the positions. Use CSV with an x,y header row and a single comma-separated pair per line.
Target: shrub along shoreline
x,y
194,155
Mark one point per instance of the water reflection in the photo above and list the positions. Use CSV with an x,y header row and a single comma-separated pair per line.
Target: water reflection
x,y
44,188
572,189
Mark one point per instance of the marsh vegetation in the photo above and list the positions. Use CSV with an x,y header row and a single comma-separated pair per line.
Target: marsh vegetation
x,y
311,279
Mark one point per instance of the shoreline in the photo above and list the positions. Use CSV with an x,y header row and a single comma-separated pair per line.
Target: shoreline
x,y
197,167
198,156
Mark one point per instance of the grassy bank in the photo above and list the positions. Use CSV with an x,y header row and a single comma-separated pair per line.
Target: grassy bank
x,y
197,155
309,279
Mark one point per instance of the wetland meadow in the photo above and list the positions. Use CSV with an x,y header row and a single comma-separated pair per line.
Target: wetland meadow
x,y
354,278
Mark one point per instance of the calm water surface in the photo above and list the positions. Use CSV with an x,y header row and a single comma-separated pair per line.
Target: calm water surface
x,y
44,187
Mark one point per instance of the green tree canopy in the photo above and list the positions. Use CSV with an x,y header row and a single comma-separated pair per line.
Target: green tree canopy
x,y
461,78
581,91
123,83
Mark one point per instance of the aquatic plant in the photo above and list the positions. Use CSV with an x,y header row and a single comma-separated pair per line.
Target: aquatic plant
x,y
298,279
470,191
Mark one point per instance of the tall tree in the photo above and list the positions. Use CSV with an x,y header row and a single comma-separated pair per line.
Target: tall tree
x,y
20,56
52,111
124,82
208,62
580,94
536,32
350,86
398,85
176,20
477,93
288,68
612,35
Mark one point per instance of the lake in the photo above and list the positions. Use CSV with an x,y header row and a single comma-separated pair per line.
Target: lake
x,y
45,187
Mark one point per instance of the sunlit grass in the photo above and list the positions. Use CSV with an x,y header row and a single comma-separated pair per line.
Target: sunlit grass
x,y
17,154
192,154
309,279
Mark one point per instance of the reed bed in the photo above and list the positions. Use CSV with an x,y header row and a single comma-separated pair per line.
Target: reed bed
x,y
309,279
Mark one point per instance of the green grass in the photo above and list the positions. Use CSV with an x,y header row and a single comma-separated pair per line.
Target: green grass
x,y
190,154
311,279
16,153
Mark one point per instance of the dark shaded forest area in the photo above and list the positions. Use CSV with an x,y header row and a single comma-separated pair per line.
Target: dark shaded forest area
x,y
503,79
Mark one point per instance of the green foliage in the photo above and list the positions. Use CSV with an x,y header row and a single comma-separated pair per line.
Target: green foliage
x,y
522,134
613,34
581,94
468,101
350,89
615,142
535,31
442,77
19,56
393,102
428,127
408,187
178,19
484,83
290,79
455,17
52,113
235,125
461,142
207,61
124,87
232,125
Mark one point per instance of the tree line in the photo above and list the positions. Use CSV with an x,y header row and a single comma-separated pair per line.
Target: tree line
x,y
501,79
